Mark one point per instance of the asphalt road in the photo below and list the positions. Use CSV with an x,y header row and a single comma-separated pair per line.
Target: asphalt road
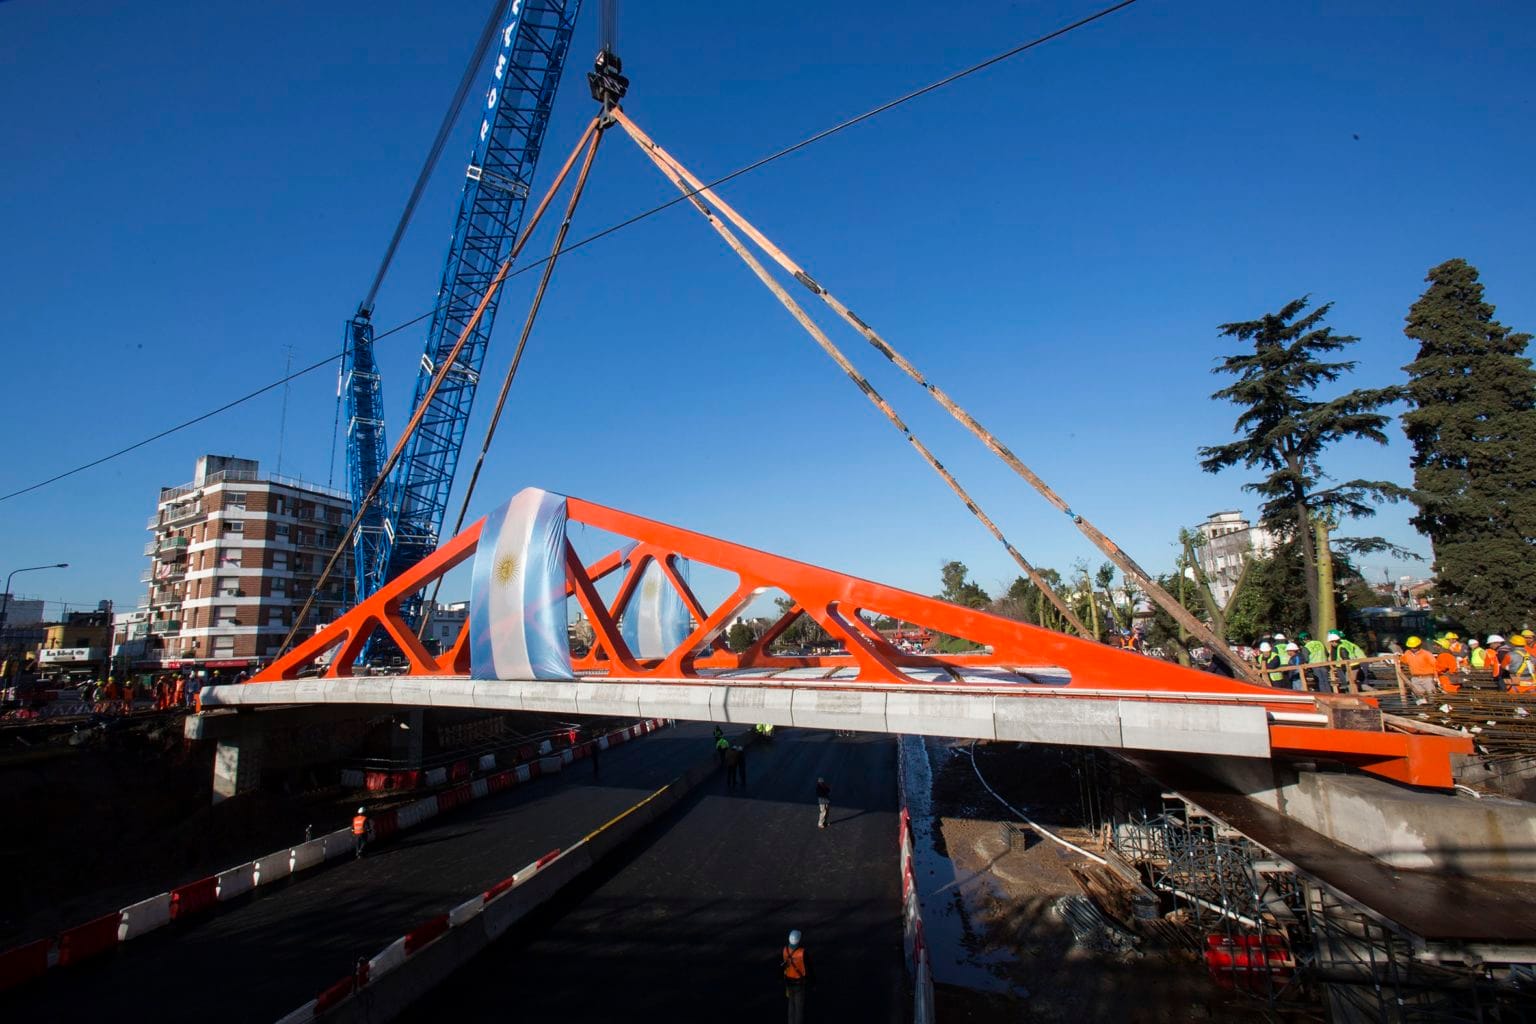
x,y
686,923
260,958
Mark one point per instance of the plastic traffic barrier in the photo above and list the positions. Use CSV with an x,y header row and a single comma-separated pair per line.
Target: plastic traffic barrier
x,y
87,940
307,855
194,897
144,916
425,933
24,963
236,880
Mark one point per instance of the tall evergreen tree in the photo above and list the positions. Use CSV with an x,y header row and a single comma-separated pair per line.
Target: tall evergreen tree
x,y
1285,430
1472,423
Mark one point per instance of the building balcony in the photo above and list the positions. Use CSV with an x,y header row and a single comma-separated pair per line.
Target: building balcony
x,y
165,627
173,544
146,575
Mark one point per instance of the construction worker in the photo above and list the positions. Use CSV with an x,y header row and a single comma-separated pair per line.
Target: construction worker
x,y
1447,665
1273,659
1476,655
732,765
1342,649
796,976
823,803
362,830
1494,659
721,745
1266,658
1420,666
1458,650
1316,653
1293,680
1522,667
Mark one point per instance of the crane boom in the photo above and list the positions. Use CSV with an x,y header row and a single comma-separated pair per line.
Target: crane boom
x,y
403,524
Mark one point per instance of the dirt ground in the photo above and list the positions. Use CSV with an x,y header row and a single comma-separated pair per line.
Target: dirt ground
x,y
1047,952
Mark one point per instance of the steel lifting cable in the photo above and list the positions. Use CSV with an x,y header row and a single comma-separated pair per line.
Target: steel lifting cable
x,y
674,174
517,358
691,184
437,380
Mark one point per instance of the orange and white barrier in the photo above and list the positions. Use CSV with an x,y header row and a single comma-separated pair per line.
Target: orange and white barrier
x,y
914,942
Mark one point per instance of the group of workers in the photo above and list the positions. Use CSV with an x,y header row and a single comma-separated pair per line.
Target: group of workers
x,y
1441,663
167,691
1330,660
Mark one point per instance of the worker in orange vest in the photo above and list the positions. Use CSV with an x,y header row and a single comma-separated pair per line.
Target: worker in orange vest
x,y
1420,666
362,831
795,977
1447,666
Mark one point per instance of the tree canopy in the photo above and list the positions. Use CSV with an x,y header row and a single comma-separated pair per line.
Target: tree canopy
x,y
1472,424
1285,428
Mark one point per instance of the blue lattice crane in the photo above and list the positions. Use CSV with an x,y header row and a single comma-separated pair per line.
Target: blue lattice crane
x,y
530,40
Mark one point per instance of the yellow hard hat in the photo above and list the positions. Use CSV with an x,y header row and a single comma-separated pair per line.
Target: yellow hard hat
x,y
1518,641
1527,634
1452,636
1414,641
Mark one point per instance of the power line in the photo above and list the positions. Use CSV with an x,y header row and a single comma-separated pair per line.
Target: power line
x,y
611,229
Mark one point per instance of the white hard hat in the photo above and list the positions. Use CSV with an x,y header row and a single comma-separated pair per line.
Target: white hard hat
x,y
794,937
1279,636
1264,646
1292,647
1473,642
1495,639
361,811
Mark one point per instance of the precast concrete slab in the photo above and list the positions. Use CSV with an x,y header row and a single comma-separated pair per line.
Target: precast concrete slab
x,y
1080,723
1194,728
753,704
860,710
688,703
949,714
595,698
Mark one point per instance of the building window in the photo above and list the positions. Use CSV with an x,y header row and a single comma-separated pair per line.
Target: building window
x,y
234,500
279,585
223,646
234,526
275,617
224,615
229,586
281,533
229,558
280,561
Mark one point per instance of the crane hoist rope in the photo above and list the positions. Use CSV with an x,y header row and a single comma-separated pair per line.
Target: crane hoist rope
x,y
699,194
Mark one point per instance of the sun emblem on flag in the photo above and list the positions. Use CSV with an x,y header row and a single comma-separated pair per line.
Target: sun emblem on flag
x,y
505,570
650,590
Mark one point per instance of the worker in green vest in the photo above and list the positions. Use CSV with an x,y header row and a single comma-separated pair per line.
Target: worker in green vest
x,y
1316,653
1340,649
1478,655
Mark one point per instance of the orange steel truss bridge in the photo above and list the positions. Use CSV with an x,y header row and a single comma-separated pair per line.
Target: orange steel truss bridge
x,y
1027,683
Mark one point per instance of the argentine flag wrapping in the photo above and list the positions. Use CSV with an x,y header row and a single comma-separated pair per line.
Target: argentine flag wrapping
x,y
656,620
517,624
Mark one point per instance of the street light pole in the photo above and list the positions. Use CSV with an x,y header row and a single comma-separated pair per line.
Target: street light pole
x,y
5,601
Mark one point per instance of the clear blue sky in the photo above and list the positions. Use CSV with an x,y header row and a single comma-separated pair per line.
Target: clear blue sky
x,y
187,188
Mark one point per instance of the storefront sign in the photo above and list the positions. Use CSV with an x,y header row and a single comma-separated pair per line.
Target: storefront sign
x,y
54,655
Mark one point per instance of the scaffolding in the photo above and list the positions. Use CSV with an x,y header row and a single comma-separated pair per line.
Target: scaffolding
x,y
1270,932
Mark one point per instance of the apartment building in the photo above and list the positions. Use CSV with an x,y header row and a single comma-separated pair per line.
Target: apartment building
x,y
1230,541
234,555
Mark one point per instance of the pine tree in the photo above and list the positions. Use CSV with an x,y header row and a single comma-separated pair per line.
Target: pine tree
x,y
1285,430
1472,423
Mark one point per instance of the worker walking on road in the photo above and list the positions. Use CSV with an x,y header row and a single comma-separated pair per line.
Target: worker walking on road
x,y
721,746
362,831
796,975
732,759
823,803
